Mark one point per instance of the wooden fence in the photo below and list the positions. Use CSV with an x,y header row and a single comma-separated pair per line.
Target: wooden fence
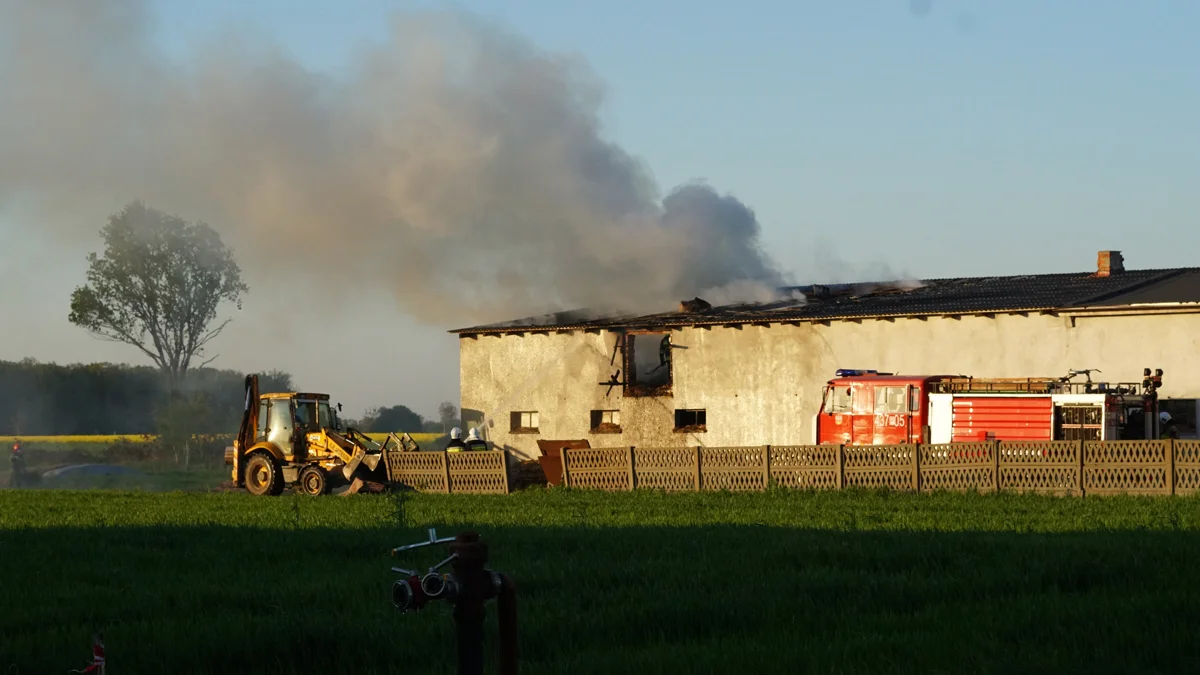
x,y
475,472
1077,468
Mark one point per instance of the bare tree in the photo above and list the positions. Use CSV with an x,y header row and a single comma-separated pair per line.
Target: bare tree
x,y
448,414
158,287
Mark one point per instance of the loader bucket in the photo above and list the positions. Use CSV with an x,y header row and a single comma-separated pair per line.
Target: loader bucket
x,y
351,466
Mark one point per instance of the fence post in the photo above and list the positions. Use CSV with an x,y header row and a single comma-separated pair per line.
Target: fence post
x,y
504,468
995,466
1170,462
766,467
1080,447
696,469
566,477
629,464
841,467
916,467
446,467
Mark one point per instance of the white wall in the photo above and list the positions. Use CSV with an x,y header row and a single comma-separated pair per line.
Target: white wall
x,y
762,384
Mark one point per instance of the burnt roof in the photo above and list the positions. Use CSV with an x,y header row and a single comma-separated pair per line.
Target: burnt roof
x,y
928,297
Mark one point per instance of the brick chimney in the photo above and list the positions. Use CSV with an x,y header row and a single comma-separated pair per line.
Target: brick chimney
x,y
1109,263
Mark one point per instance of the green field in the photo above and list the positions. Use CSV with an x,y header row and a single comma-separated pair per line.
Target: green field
x,y
779,582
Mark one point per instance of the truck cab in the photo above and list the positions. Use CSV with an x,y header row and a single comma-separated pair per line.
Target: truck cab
x,y
866,407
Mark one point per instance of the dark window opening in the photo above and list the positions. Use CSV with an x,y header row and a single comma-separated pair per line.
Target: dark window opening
x,y
606,422
523,422
690,421
648,364
1183,413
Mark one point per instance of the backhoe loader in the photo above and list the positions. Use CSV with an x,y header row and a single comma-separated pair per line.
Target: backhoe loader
x,y
291,439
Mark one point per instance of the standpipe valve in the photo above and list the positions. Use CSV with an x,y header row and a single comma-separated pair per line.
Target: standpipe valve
x,y
468,586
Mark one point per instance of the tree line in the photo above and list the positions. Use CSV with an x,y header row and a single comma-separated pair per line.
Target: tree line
x,y
47,399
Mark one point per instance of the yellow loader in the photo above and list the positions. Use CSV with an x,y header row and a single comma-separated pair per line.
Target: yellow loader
x,y
295,439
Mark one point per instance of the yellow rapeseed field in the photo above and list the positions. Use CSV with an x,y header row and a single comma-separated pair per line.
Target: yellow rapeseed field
x,y
146,438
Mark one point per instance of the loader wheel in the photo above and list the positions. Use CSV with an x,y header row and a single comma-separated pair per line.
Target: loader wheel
x,y
313,481
262,475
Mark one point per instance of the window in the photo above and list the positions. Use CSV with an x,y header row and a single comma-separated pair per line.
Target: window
x,y
306,415
648,364
690,421
837,400
1078,422
279,426
325,417
914,399
890,400
606,421
524,422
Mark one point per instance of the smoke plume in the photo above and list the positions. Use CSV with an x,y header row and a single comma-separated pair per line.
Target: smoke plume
x,y
457,165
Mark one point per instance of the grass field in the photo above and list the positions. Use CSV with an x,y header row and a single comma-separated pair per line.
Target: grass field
x,y
779,582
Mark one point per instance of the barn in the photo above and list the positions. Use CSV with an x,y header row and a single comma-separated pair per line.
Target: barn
x,y
753,374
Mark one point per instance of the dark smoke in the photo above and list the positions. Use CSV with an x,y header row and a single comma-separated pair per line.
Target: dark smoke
x,y
458,166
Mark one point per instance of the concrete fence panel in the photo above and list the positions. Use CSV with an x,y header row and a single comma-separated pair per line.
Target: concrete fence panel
x,y
478,472
669,469
806,466
1187,466
958,466
598,468
1127,467
1049,467
875,466
735,469
420,471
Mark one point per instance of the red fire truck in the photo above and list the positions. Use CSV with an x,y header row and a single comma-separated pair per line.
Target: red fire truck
x,y
866,407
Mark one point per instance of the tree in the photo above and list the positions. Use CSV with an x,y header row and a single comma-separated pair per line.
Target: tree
x,y
395,418
448,415
158,287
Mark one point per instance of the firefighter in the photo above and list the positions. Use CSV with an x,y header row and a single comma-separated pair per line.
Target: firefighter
x,y
1166,426
474,442
18,465
455,444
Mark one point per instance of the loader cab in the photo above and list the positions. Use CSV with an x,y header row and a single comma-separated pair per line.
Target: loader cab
x,y
277,422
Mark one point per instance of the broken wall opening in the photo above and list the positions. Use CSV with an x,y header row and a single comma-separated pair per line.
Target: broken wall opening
x,y
648,364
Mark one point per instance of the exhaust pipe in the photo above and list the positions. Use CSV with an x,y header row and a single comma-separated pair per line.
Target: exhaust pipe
x,y
438,587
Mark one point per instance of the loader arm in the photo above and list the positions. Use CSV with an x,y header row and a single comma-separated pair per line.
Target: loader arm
x,y
246,431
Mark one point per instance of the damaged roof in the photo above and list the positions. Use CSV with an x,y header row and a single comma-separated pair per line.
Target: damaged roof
x,y
929,297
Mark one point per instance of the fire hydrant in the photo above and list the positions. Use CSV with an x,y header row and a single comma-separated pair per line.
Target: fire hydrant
x,y
469,586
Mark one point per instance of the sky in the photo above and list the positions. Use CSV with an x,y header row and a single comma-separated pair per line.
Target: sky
x,y
872,139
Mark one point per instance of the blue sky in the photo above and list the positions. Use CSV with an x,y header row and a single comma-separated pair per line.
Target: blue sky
x,y
870,138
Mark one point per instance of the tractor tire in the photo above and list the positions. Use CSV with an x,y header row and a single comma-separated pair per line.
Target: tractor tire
x,y
313,481
262,475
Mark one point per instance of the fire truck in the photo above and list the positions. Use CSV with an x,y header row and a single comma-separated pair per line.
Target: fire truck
x,y
866,407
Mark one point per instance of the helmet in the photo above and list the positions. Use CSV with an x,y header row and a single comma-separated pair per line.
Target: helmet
x,y
1164,417
456,433
473,434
